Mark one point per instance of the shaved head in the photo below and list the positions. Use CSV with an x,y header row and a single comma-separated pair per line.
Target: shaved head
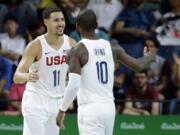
x,y
87,20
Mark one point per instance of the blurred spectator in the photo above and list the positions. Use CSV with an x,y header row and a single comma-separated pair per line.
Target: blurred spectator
x,y
169,31
118,89
3,102
3,12
70,9
35,2
165,6
6,69
106,11
12,44
176,71
159,71
174,107
134,23
42,4
24,11
155,6
15,97
141,90
99,34
35,29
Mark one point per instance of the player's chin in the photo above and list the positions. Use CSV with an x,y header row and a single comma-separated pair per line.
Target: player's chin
x,y
60,33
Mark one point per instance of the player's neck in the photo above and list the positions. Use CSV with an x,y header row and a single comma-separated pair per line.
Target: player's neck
x,y
53,39
88,35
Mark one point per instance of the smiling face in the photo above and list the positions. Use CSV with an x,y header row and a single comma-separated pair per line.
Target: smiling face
x,y
55,23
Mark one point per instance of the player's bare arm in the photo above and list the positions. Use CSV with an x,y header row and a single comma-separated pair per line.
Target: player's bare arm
x,y
121,56
77,58
31,53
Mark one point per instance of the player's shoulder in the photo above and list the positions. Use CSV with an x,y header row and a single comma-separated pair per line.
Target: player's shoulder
x,y
79,49
34,45
72,41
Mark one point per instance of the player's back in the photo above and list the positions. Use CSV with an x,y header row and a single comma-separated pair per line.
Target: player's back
x,y
97,76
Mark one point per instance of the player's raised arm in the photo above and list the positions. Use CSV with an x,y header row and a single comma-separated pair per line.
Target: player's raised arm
x,y
30,54
135,64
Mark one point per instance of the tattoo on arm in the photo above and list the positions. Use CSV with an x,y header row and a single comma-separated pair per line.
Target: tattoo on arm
x,y
77,58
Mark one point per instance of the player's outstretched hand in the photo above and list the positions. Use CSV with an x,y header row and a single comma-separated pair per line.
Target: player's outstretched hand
x,y
60,119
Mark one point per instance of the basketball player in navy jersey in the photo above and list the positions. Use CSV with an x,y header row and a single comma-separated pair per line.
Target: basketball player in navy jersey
x,y
91,77
44,68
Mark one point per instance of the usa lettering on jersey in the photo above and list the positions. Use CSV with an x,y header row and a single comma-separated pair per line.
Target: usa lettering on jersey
x,y
56,60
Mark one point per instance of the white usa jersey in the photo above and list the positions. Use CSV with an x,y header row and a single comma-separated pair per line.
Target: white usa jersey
x,y
52,69
97,76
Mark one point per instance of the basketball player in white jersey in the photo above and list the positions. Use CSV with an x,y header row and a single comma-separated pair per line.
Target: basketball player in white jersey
x,y
91,77
46,59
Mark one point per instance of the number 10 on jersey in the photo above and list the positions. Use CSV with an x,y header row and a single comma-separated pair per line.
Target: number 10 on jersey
x,y
102,72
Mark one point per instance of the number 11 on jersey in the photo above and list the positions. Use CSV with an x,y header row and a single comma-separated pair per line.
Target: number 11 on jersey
x,y
56,74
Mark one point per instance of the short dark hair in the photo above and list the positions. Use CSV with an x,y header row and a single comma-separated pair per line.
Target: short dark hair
x,y
87,20
154,40
49,10
144,71
9,17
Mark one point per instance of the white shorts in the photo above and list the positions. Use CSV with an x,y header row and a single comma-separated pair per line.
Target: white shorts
x,y
96,118
39,114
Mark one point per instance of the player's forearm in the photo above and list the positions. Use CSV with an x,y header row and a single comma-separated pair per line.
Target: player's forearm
x,y
144,62
137,64
20,78
70,91
133,63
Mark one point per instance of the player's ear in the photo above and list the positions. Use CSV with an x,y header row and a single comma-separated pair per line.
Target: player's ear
x,y
45,22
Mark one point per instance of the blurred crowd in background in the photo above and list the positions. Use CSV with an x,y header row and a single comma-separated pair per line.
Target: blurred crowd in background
x,y
133,24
